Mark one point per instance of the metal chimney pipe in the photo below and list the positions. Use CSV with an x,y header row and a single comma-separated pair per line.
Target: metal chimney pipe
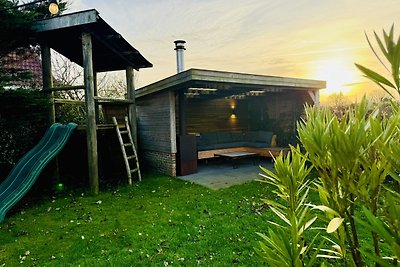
x,y
180,48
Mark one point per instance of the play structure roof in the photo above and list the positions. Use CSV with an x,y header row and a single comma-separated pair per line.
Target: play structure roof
x,y
110,50
212,83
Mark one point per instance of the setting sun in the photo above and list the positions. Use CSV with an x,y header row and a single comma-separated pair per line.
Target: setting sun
x,y
338,73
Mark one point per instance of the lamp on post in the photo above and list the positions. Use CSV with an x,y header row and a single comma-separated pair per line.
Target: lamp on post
x,y
53,7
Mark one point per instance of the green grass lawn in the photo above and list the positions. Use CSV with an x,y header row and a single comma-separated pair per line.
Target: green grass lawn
x,y
161,221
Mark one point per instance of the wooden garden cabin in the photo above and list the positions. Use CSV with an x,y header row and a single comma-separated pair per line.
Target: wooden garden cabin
x,y
86,39
197,101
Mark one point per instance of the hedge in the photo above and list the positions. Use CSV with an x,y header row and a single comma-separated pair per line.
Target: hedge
x,y
24,117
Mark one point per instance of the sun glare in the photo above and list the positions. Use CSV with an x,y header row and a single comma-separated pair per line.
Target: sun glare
x,y
337,73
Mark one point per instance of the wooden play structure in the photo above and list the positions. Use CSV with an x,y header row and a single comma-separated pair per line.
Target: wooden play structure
x,y
86,39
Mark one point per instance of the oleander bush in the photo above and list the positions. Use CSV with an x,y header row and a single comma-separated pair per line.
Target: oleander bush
x,y
354,155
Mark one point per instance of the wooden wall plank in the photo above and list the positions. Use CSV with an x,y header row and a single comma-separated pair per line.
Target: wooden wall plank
x,y
204,115
272,112
155,119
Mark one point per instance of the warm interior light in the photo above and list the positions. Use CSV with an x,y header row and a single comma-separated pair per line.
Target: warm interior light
x,y
233,115
53,7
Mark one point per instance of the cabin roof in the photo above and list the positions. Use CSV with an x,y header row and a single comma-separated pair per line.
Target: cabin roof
x,y
199,82
110,50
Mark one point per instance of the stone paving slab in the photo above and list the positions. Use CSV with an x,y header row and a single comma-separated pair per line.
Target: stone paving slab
x,y
218,174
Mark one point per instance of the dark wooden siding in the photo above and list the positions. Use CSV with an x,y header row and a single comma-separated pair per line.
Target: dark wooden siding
x,y
214,115
277,112
156,122
285,109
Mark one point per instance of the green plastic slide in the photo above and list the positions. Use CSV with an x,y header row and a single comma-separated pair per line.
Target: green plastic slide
x,y
25,173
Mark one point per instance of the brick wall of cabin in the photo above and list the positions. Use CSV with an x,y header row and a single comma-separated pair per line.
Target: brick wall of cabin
x,y
161,162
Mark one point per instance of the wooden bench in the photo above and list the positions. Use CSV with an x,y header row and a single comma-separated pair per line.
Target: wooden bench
x,y
268,152
261,142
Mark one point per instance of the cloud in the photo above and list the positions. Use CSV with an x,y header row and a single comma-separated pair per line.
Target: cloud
x,y
281,38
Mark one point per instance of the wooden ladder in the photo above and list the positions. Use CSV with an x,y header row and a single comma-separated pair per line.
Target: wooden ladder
x,y
128,148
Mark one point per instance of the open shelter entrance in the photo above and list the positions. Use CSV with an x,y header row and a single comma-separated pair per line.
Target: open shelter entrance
x,y
86,39
198,114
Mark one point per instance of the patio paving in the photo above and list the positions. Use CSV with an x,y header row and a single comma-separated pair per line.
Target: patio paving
x,y
217,173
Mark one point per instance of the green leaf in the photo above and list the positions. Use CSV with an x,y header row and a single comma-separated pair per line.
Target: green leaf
x,y
374,76
382,46
316,253
280,215
307,225
273,203
376,259
373,50
334,224
325,209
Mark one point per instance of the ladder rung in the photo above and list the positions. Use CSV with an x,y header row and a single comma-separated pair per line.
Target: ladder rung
x,y
124,129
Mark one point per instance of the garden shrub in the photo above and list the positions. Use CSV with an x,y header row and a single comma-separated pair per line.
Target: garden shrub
x,y
24,117
356,155
356,161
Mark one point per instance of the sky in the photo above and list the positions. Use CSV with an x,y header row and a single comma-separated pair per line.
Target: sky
x,y
311,39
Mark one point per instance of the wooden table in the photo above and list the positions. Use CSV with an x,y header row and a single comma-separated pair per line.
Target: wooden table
x,y
236,156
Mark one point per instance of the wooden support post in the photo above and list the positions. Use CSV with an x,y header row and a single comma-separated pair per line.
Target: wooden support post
x,y
317,99
95,94
314,96
130,87
182,119
48,78
47,84
172,120
90,113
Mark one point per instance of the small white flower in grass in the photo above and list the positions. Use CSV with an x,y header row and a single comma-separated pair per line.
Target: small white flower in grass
x,y
140,234
99,202
82,237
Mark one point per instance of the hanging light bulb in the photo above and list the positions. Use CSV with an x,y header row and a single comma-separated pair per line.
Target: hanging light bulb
x,y
53,7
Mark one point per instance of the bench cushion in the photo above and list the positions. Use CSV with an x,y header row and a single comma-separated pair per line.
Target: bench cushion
x,y
221,140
